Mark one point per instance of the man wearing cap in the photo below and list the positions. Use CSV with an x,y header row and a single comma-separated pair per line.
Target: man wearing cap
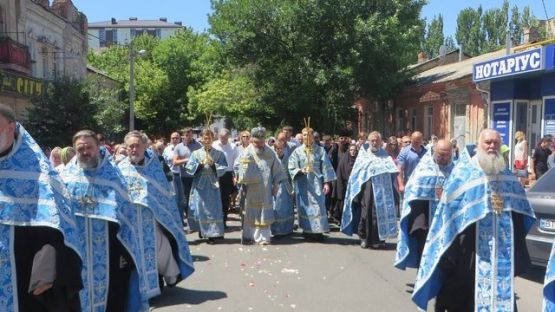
x,y
259,172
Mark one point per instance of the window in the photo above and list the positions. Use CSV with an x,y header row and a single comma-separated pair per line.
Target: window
x,y
107,37
460,110
102,37
45,65
400,119
429,121
139,32
2,23
413,119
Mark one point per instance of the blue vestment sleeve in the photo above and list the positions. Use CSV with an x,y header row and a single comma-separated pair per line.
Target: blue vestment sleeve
x,y
221,164
327,169
294,165
192,164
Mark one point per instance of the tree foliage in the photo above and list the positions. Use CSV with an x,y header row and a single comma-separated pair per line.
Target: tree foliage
x,y
434,37
481,32
64,109
111,112
162,76
314,58
233,95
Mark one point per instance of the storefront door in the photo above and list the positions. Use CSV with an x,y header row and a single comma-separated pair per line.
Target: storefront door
x,y
533,132
521,117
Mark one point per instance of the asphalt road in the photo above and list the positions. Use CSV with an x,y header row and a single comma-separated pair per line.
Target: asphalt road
x,y
293,274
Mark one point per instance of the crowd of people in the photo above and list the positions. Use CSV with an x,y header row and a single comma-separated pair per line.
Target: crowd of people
x,y
102,227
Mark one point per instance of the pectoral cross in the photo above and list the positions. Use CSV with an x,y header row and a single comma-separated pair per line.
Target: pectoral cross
x,y
86,202
135,187
497,203
245,161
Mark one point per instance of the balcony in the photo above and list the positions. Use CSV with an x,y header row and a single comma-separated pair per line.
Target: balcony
x,y
14,55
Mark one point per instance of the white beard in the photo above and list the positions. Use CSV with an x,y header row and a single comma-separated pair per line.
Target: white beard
x,y
259,151
89,164
374,149
135,159
491,164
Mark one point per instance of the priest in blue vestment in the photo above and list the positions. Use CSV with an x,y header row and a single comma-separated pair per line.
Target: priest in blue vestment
x,y
159,227
106,219
422,193
369,208
311,172
206,165
40,255
259,172
283,200
476,242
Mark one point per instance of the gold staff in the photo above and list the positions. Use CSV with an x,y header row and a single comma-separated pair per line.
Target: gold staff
x,y
308,146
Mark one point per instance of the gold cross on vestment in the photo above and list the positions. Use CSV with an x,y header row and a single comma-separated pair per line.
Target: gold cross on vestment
x,y
86,201
497,203
136,187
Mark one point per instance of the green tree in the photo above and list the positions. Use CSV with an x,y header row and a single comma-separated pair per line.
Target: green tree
x,y
469,33
450,43
495,25
63,110
483,32
434,37
515,25
111,112
314,58
162,76
233,95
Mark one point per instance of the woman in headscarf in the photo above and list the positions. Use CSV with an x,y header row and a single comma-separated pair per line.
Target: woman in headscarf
x,y
343,172
55,159
66,154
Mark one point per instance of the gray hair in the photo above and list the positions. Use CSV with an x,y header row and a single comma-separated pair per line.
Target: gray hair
x,y
224,131
376,133
258,132
137,134
85,134
7,112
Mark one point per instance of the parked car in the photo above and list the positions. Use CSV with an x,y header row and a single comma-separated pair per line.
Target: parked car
x,y
540,238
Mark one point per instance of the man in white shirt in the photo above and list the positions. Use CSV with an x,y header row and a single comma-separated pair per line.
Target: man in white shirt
x,y
175,138
227,186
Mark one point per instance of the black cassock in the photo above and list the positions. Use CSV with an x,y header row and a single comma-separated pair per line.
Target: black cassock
x,y
458,265
367,228
418,223
64,295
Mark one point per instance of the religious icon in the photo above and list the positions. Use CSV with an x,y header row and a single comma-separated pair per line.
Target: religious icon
x,y
497,203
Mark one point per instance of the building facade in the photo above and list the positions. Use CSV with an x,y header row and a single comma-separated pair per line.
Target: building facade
x,y
38,41
442,100
121,32
521,91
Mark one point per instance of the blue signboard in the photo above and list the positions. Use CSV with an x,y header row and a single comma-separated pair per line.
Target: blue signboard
x,y
513,64
549,117
501,120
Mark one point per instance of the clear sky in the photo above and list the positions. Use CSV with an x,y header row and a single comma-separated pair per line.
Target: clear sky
x,y
194,13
